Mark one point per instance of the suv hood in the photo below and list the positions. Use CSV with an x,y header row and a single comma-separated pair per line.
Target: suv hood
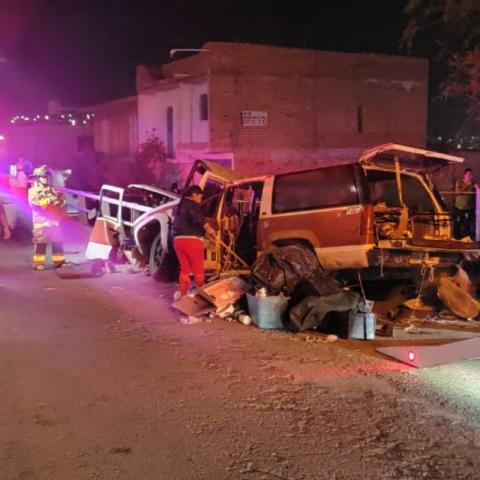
x,y
409,157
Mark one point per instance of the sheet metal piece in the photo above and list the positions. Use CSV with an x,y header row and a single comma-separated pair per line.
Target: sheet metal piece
x,y
432,355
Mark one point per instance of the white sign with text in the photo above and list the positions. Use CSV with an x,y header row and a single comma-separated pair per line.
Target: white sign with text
x,y
254,119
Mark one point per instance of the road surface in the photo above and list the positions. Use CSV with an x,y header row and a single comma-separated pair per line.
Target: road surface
x,y
99,380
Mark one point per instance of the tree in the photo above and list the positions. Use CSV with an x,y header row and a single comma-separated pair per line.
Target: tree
x,y
149,159
448,31
452,24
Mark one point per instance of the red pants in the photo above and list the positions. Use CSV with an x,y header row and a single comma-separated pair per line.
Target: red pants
x,y
189,251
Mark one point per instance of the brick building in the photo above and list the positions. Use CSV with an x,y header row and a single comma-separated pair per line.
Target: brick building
x,y
115,132
115,127
260,108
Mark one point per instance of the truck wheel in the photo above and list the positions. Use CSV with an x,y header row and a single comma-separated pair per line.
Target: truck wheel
x,y
163,265
157,254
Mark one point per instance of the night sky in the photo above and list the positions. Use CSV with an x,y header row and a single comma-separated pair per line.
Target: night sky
x,y
83,52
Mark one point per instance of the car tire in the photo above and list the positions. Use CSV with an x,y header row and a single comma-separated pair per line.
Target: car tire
x,y
163,265
156,258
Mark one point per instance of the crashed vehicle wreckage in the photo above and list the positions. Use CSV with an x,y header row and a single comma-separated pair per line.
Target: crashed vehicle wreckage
x,y
379,214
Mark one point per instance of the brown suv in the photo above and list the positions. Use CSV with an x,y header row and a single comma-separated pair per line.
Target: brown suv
x,y
381,211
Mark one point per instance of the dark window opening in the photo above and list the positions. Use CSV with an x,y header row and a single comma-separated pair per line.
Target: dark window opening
x,y
360,119
242,210
323,188
383,189
212,192
204,106
170,149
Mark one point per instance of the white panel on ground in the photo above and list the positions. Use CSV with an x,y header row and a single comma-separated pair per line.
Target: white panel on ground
x,y
97,250
432,355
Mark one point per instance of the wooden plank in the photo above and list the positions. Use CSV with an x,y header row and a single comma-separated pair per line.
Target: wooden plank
x,y
193,305
224,292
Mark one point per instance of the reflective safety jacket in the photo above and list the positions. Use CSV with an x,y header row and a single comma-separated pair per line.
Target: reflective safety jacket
x,y
47,205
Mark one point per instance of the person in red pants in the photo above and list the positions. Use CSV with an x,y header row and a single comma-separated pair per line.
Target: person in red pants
x,y
5,232
189,227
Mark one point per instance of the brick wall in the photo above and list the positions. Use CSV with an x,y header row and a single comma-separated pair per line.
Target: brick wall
x,y
314,100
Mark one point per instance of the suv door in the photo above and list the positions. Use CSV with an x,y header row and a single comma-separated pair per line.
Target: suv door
x,y
321,208
213,179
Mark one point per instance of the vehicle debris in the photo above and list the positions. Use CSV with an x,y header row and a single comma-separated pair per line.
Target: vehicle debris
x,y
89,269
433,355
282,269
283,231
223,292
190,320
312,312
194,305
457,299
245,319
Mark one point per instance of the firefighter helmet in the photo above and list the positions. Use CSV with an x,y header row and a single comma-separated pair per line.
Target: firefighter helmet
x,y
42,171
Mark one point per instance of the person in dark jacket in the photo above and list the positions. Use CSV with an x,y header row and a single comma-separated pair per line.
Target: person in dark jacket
x,y
465,202
189,227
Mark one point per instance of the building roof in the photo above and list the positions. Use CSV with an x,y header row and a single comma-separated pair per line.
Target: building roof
x,y
238,58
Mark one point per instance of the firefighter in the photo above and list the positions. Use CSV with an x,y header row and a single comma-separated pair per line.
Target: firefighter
x,y
47,205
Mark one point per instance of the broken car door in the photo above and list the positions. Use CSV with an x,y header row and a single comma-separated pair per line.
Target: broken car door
x,y
213,179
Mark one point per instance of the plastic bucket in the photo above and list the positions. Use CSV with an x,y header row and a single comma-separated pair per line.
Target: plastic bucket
x,y
267,312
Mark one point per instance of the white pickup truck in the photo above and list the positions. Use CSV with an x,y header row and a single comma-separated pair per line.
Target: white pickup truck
x,y
136,219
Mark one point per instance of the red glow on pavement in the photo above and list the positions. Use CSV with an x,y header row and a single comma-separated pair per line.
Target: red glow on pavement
x,y
314,372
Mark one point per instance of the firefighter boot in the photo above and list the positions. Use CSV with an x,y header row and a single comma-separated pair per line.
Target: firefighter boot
x,y
58,256
39,254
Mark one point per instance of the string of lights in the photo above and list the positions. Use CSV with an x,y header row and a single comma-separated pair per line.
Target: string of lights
x,y
464,142
72,119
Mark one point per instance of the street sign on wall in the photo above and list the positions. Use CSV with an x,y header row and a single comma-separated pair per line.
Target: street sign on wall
x,y
254,118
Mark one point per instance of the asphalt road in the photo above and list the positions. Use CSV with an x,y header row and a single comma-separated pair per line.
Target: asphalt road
x,y
99,380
